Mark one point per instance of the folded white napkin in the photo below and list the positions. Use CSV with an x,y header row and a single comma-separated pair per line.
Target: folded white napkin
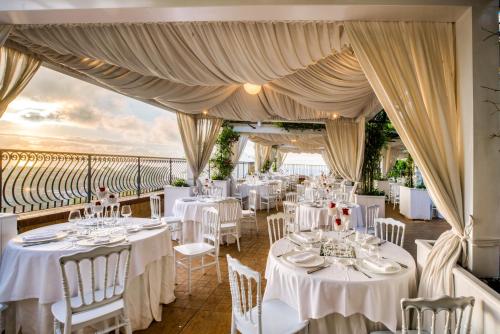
x,y
304,237
379,264
152,223
301,257
102,240
133,228
37,236
370,239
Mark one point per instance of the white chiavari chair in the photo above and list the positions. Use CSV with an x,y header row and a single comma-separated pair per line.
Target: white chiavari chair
x,y
209,247
301,191
174,224
276,226
309,194
342,196
250,215
390,230
268,317
98,297
457,315
292,197
229,216
370,215
236,193
269,196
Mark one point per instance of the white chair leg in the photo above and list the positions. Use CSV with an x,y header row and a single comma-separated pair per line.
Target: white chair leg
x,y
117,322
237,241
256,225
189,275
218,269
57,329
175,269
128,328
203,265
233,325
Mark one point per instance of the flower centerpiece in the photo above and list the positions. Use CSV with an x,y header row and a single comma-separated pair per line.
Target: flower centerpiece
x,y
332,209
346,217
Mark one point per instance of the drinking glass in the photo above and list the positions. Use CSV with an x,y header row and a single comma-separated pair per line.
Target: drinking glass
x,y
126,211
74,216
88,210
196,190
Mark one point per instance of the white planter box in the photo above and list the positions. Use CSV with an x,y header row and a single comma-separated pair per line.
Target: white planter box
x,y
486,315
225,185
8,229
365,200
414,203
173,193
383,186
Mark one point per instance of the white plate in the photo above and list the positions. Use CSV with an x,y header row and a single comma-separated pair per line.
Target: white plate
x,y
373,241
362,266
316,261
300,241
91,243
59,235
154,227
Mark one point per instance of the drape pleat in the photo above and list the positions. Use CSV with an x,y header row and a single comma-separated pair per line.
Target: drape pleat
x,y
238,149
262,154
198,139
5,30
16,70
411,67
307,143
344,147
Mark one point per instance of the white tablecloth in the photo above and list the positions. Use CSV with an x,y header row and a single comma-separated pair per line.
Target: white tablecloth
x,y
334,293
190,210
260,187
308,216
30,279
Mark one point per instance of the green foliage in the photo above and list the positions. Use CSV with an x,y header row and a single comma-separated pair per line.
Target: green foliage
x,y
221,161
375,140
421,185
398,169
266,166
180,183
374,192
287,126
409,171
274,166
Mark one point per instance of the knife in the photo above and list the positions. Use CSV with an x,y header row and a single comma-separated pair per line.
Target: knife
x,y
40,243
401,264
293,242
310,271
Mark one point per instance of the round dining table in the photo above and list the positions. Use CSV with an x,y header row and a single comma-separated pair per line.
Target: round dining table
x,y
190,210
310,215
338,298
30,275
260,188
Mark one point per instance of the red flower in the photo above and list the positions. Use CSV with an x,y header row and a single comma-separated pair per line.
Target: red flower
x,y
338,221
102,188
345,211
332,205
112,196
97,203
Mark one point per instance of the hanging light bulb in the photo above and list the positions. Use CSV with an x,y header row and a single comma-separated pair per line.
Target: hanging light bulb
x,y
205,112
294,140
252,89
335,116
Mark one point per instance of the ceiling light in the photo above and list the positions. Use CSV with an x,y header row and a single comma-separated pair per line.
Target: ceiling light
x,y
205,112
294,140
335,116
252,89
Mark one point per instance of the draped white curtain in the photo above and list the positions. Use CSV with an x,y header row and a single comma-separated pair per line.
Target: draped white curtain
x,y
5,30
16,70
238,148
344,147
387,160
305,143
198,139
280,158
262,154
308,69
411,67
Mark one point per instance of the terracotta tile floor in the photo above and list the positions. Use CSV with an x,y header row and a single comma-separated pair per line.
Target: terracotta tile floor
x,y
208,309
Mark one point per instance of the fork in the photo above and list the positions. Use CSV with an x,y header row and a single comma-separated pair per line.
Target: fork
x,y
357,269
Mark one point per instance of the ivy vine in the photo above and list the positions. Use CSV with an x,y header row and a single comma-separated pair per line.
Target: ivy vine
x,y
221,162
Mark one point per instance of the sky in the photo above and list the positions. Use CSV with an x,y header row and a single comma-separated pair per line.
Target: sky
x,y
56,112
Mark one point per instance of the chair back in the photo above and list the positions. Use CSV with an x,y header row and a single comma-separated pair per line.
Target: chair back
x,y
215,191
342,196
390,230
276,226
252,200
108,268
155,206
370,215
245,283
291,197
211,227
289,208
454,310
272,189
301,190
229,210
310,194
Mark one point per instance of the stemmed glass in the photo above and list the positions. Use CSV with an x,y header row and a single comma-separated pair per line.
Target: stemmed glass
x,y
196,190
74,217
98,210
126,211
88,210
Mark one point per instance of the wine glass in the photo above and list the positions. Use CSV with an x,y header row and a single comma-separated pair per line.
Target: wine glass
x,y
196,191
74,216
88,210
126,211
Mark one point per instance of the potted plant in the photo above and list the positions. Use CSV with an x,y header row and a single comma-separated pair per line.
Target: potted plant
x,y
414,201
221,162
375,141
178,188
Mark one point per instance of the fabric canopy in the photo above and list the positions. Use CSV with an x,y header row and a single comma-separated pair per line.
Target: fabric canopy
x,y
307,143
198,138
16,70
307,69
411,67
345,143
262,154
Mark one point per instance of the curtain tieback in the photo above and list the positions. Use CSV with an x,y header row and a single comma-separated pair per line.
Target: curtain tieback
x,y
464,237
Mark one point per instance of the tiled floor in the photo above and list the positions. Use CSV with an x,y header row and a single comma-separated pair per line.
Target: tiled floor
x,y
208,309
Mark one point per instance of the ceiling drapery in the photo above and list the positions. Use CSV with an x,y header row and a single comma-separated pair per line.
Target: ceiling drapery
x,y
307,69
307,143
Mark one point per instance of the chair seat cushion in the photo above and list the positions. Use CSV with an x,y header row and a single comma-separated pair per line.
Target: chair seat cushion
x,y
278,317
196,248
247,213
59,309
228,225
171,220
